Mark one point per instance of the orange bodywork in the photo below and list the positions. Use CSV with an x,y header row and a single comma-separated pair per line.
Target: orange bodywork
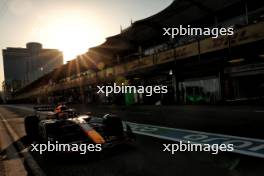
x,y
96,137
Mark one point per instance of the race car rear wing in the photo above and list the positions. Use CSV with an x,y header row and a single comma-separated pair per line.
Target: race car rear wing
x,y
44,108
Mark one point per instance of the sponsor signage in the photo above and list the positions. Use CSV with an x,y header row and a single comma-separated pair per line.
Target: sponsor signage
x,y
165,56
133,65
241,36
187,51
146,62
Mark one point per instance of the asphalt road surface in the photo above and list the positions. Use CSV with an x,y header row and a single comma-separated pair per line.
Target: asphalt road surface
x,y
246,121
145,156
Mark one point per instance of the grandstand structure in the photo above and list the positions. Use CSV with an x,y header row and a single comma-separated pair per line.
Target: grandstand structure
x,y
196,69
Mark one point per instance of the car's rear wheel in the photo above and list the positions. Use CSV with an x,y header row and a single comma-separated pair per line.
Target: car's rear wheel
x,y
113,125
31,127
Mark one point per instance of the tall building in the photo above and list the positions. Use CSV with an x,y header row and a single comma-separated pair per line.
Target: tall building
x,y
24,65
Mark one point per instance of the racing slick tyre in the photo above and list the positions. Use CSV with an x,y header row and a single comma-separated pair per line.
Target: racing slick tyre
x,y
113,125
31,127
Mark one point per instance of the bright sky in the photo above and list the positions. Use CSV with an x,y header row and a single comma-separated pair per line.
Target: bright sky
x,y
72,26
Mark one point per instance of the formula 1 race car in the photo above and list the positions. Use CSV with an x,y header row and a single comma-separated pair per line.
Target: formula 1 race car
x,y
66,125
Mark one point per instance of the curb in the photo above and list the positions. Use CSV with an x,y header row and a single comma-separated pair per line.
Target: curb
x,y
30,161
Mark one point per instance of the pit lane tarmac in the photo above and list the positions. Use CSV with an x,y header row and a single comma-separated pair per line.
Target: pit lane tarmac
x,y
144,157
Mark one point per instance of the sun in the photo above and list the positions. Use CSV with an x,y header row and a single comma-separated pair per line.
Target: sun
x,y
73,40
73,34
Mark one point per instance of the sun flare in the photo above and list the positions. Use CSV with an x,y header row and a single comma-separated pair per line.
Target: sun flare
x,y
73,35
72,40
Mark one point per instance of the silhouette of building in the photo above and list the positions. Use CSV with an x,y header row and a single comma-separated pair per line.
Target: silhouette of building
x,y
25,65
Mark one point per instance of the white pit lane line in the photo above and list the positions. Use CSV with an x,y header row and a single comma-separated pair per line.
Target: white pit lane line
x,y
242,145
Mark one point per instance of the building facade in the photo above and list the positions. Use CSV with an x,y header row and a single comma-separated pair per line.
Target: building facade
x,y
24,65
